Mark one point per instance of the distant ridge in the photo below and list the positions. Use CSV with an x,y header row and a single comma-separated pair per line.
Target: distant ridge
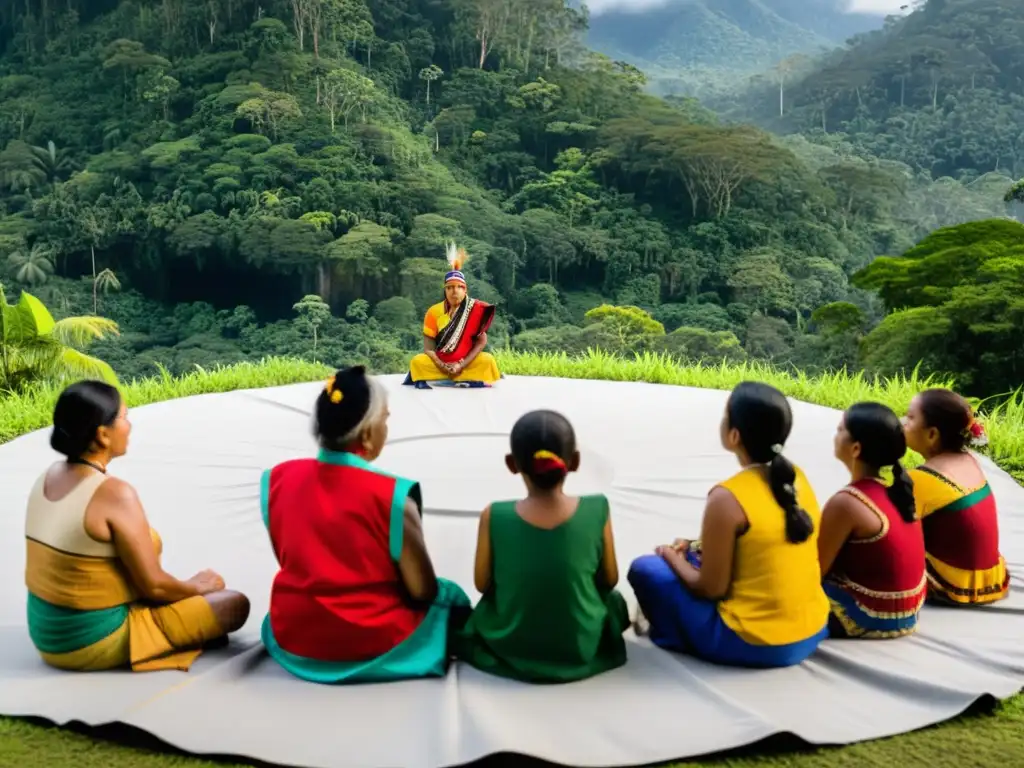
x,y
725,34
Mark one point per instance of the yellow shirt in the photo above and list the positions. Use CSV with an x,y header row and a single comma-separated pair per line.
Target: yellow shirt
x,y
435,320
932,492
776,596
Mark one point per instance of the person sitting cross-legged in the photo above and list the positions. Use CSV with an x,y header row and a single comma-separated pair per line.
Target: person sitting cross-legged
x,y
749,592
546,567
955,502
98,596
454,336
871,545
355,598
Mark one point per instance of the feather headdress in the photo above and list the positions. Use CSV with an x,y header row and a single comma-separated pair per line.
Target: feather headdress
x,y
456,258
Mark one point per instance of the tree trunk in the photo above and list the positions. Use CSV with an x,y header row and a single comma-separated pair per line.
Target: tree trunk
x,y
481,35
95,297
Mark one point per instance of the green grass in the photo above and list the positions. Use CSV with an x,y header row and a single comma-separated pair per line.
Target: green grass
x,y
984,738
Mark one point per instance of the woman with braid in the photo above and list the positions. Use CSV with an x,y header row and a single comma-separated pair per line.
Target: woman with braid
x,y
871,545
955,502
749,593
355,598
546,568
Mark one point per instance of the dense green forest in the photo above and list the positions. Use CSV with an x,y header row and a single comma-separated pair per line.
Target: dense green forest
x,y
228,179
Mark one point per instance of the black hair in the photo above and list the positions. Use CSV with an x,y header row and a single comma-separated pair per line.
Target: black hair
x,y
347,403
883,444
81,409
762,416
950,414
543,431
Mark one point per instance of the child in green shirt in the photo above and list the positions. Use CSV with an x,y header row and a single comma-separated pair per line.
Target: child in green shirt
x,y
547,571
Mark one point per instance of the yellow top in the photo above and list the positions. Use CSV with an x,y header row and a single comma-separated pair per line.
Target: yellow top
x,y
932,492
67,569
435,320
776,596
64,565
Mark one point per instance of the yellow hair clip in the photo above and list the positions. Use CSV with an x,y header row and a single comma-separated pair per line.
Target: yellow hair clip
x,y
336,395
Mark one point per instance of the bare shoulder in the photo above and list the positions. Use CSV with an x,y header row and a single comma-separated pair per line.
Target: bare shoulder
x,y
963,469
975,468
116,491
843,502
722,504
721,497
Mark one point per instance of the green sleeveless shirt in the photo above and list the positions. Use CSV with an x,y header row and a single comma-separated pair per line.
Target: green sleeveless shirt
x,y
547,616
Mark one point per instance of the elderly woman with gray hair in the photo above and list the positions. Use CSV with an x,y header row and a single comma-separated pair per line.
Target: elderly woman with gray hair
x,y
355,598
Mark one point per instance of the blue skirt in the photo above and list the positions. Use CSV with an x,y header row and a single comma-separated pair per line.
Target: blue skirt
x,y
687,624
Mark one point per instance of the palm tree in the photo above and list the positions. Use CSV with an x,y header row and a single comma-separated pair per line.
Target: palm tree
x,y
34,347
54,162
32,266
21,169
105,281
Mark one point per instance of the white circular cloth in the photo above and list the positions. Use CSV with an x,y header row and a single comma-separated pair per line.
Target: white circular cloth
x,y
654,450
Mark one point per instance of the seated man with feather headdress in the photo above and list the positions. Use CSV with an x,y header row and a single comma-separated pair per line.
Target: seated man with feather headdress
x,y
454,336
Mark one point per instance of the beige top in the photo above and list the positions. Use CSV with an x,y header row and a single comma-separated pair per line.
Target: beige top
x,y
61,524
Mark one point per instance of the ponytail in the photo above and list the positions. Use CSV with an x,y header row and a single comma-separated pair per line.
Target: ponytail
x,y
761,415
782,478
901,493
883,443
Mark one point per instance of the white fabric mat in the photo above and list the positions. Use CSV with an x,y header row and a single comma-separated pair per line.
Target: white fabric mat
x,y
653,449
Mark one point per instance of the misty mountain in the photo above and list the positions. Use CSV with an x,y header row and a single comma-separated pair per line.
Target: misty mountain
x,y
724,34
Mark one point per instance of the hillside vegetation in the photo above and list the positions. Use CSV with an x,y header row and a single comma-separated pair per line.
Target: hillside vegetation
x,y
232,179
941,90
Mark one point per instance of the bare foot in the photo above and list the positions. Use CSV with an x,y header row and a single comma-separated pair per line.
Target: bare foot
x,y
641,626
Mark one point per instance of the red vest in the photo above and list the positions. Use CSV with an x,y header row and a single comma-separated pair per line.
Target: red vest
x,y
892,566
338,595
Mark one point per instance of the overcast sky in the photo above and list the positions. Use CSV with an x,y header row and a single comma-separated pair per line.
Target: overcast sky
x,y
876,6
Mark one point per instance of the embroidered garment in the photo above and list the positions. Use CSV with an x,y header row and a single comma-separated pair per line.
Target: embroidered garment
x,y
961,538
876,586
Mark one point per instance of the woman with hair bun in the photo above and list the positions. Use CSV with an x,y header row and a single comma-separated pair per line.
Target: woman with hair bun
x,y
955,502
98,597
355,598
547,571
749,592
871,546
